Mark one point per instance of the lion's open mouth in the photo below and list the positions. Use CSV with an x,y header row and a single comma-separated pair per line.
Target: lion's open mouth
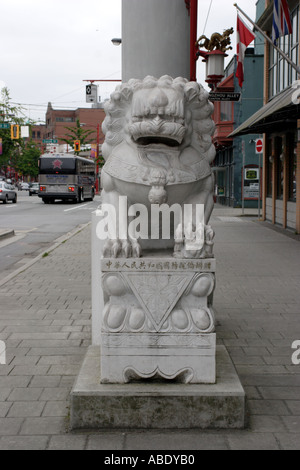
x,y
157,131
144,141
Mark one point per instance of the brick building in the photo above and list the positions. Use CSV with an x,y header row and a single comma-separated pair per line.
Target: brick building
x,y
58,119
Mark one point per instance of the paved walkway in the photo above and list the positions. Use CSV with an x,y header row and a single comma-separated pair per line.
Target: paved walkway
x,y
45,322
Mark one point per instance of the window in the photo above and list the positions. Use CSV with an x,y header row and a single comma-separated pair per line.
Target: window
x,y
281,74
269,169
280,170
64,119
226,111
293,170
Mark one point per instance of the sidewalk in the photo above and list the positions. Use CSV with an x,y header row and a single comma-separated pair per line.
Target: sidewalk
x,y
45,320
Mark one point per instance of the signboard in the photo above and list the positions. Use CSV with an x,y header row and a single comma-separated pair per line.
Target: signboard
x,y
25,132
50,141
251,183
4,125
259,146
251,174
226,96
91,93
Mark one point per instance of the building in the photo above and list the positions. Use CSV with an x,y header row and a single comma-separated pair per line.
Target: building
x,y
236,165
279,123
57,120
37,134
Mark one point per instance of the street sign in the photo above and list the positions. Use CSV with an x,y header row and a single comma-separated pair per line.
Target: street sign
x,y
4,125
91,92
226,96
50,141
259,146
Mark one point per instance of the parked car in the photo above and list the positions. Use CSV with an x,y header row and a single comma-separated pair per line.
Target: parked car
x,y
7,193
34,189
24,187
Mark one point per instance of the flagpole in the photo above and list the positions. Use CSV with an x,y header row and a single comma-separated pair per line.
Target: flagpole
x,y
269,40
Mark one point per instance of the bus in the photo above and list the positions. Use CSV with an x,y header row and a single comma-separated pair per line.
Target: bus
x,y
66,177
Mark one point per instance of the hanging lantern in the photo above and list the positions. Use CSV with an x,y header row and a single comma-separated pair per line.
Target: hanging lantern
x,y
215,61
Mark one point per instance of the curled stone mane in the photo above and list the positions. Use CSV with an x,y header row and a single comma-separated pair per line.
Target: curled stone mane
x,y
199,126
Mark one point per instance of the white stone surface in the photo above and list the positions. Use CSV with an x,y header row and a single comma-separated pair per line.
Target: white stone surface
x,y
149,46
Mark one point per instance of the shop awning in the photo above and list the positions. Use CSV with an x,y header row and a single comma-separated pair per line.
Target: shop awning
x,y
279,113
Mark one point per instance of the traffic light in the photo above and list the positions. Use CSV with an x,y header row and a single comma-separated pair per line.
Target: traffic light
x,y
77,145
15,131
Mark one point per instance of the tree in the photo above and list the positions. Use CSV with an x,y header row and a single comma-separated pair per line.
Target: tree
x,y
77,133
27,164
12,149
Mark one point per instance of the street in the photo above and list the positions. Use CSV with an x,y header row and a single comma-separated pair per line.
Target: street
x,y
36,227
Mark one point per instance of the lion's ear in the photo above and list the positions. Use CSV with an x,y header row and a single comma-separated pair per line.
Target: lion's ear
x,y
191,91
126,93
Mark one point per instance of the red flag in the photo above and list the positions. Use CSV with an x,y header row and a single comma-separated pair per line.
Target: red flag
x,y
244,37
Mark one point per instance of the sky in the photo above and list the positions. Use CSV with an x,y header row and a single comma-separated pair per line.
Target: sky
x,y
49,47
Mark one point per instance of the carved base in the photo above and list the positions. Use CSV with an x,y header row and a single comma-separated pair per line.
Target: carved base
x,y
158,322
178,358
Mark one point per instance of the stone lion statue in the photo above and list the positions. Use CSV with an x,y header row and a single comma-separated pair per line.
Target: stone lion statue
x,y
158,150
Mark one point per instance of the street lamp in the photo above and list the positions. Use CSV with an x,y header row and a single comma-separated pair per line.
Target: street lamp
x,y
214,55
116,41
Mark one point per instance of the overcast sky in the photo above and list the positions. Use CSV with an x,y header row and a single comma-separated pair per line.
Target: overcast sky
x,y
48,47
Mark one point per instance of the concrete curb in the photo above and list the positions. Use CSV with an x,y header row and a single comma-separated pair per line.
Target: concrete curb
x,y
6,234
55,245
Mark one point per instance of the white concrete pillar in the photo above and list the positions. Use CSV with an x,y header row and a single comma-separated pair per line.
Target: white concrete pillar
x,y
155,39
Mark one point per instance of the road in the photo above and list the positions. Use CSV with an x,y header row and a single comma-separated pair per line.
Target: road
x,y
36,227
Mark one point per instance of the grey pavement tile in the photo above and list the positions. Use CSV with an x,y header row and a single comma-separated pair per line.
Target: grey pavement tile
x,y
23,442
292,423
25,394
71,369
4,408
179,440
29,370
22,409
67,442
106,441
55,393
266,423
45,381
43,426
246,440
288,441
56,408
4,393
266,369
10,426
294,406
61,360
280,393
268,407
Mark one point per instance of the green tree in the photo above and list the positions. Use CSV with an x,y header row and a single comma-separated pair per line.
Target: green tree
x,y
27,164
11,148
77,133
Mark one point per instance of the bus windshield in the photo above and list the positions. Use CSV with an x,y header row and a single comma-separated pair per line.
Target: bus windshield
x,y
57,165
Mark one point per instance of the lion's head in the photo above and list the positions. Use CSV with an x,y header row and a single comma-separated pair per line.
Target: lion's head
x,y
173,112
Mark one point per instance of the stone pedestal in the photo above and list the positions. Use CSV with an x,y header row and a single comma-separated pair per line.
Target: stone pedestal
x,y
157,405
158,321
